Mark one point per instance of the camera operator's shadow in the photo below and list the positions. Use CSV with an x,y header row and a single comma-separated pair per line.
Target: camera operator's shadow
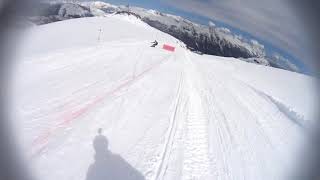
x,y
108,165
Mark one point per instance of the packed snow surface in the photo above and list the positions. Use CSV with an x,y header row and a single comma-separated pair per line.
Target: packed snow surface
x,y
92,100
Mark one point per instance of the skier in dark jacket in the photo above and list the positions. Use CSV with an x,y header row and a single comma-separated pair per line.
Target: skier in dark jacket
x,y
155,43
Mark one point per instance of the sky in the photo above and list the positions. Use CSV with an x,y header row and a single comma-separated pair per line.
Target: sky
x,y
273,23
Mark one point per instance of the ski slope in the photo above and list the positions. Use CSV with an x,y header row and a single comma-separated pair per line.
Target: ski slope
x,y
162,115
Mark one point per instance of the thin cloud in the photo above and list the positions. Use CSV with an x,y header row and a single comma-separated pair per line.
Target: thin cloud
x,y
272,20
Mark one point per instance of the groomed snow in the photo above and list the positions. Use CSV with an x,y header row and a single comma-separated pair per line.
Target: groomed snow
x,y
162,115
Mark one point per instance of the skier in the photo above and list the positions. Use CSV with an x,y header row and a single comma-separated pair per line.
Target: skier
x,y
155,43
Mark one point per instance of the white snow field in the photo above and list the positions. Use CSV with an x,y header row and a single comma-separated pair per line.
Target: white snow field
x,y
161,114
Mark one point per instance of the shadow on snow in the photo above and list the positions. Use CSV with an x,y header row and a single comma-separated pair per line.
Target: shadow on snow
x,y
109,166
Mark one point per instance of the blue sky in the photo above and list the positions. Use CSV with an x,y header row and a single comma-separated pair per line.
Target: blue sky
x,y
167,6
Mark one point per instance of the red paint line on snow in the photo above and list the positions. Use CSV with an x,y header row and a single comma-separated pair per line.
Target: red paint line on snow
x,y
69,117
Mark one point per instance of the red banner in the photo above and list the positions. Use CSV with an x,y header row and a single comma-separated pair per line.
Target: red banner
x,y
168,47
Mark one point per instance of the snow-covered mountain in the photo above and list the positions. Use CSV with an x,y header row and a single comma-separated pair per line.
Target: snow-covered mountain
x,y
52,12
203,39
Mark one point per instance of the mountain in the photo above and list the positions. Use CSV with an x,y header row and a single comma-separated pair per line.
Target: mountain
x,y
199,38
52,12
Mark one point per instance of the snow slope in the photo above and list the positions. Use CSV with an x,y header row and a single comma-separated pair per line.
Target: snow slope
x,y
163,115
208,39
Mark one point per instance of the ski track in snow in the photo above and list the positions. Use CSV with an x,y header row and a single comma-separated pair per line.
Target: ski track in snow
x,y
171,115
43,139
